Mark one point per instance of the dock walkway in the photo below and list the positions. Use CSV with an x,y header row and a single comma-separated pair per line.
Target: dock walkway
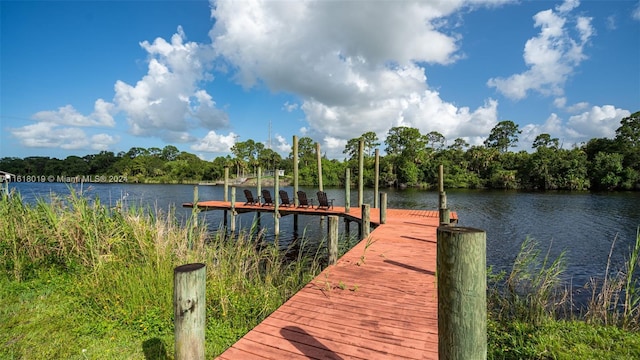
x,y
378,302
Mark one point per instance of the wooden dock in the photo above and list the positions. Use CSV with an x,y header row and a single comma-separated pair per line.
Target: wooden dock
x,y
378,302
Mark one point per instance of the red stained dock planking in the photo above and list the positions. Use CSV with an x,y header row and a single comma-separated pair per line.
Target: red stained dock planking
x,y
378,302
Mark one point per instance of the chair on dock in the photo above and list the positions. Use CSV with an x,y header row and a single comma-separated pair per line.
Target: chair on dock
x,y
284,199
266,198
250,199
303,201
323,202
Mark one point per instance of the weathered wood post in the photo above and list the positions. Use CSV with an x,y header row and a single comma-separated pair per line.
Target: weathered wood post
x,y
233,209
360,172
366,221
226,183
276,200
259,183
319,159
462,296
376,179
333,239
347,190
226,193
189,310
383,208
296,201
195,209
443,211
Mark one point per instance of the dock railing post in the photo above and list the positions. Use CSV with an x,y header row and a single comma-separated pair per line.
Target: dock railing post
x,y
189,311
462,296
366,221
383,208
333,239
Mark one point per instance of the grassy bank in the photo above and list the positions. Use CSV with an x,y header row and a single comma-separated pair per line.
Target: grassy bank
x,y
532,314
79,280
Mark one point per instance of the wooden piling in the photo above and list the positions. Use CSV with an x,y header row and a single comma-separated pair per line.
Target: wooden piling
x,y
366,221
226,183
233,209
319,159
195,207
259,182
347,190
276,200
443,211
333,239
462,303
383,208
189,311
360,172
296,201
376,179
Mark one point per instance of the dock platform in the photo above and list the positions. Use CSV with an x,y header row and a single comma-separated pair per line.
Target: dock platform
x,y
378,302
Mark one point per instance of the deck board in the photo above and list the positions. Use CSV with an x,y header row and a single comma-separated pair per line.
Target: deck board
x,y
379,301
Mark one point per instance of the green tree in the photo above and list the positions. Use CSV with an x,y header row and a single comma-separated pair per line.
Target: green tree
x,y
545,141
74,165
435,140
370,140
606,170
169,153
503,136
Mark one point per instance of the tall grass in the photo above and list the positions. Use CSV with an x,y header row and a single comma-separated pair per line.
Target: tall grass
x,y
532,291
121,261
615,299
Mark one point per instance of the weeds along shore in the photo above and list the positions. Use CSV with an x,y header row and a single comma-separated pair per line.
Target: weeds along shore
x,y
80,280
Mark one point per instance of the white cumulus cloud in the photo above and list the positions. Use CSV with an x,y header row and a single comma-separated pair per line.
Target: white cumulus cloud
x,y
597,122
350,63
167,101
551,56
215,143
68,115
50,135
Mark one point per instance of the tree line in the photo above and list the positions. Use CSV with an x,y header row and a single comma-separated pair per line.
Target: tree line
x,y
411,159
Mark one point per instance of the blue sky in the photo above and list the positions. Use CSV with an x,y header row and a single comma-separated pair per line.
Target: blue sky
x,y
79,77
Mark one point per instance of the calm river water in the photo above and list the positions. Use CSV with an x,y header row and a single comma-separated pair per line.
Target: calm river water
x,y
581,224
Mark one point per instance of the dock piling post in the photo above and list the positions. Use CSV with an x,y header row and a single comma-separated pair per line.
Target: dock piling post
x,y
276,200
233,209
347,190
195,209
296,201
189,310
226,183
376,179
383,208
443,211
333,239
259,184
462,297
366,221
360,172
